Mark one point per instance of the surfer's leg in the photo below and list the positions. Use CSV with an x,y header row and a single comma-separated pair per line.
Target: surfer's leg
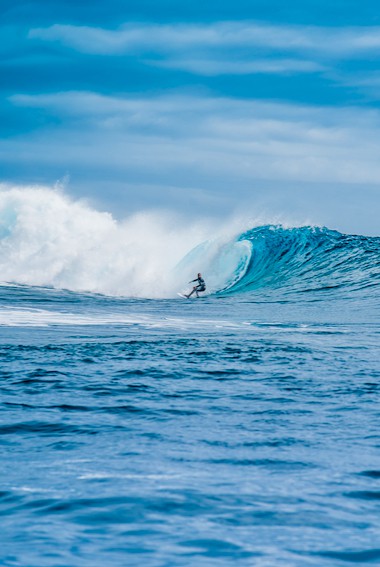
x,y
191,293
198,289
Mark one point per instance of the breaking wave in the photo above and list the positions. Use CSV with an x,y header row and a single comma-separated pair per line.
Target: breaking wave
x,y
46,239
303,259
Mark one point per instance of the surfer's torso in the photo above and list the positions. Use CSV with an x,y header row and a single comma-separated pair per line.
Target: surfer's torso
x,y
201,284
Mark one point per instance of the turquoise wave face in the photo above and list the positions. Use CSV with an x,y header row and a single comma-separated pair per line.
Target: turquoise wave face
x,y
225,263
294,260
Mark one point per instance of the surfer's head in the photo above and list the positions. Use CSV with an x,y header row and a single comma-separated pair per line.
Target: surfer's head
x,y
199,275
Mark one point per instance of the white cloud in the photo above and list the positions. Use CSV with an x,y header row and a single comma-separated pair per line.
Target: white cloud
x,y
213,67
164,38
220,48
210,137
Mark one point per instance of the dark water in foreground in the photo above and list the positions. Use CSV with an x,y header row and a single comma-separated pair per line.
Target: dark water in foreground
x,y
236,430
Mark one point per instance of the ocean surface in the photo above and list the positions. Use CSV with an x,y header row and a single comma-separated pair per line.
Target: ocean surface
x,y
241,428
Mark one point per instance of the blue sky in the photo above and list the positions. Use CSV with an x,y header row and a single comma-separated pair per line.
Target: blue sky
x,y
253,107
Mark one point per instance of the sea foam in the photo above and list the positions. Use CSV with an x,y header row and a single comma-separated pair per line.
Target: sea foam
x,y
49,239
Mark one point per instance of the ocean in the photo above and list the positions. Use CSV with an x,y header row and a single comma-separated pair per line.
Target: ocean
x,y
142,429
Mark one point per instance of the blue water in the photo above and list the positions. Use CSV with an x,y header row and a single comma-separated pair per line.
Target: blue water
x,y
241,428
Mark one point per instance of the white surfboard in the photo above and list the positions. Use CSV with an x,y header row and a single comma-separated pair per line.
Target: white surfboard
x,y
182,295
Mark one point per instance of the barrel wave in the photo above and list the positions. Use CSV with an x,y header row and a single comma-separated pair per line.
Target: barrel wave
x,y
47,239
309,259
290,260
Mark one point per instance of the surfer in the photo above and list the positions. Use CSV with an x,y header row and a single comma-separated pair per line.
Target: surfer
x,y
201,286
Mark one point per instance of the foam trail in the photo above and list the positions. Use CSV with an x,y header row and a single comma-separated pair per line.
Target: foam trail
x,y
47,239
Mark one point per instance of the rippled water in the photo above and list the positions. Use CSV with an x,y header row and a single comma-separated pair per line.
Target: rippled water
x,y
240,430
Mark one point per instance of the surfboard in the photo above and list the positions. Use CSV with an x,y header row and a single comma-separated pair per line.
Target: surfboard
x,y
182,295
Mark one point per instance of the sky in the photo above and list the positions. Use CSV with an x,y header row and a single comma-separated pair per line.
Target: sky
x,y
253,108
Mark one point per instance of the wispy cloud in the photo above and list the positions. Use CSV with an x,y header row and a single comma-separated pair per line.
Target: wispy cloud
x,y
366,82
342,42
221,48
214,67
215,137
